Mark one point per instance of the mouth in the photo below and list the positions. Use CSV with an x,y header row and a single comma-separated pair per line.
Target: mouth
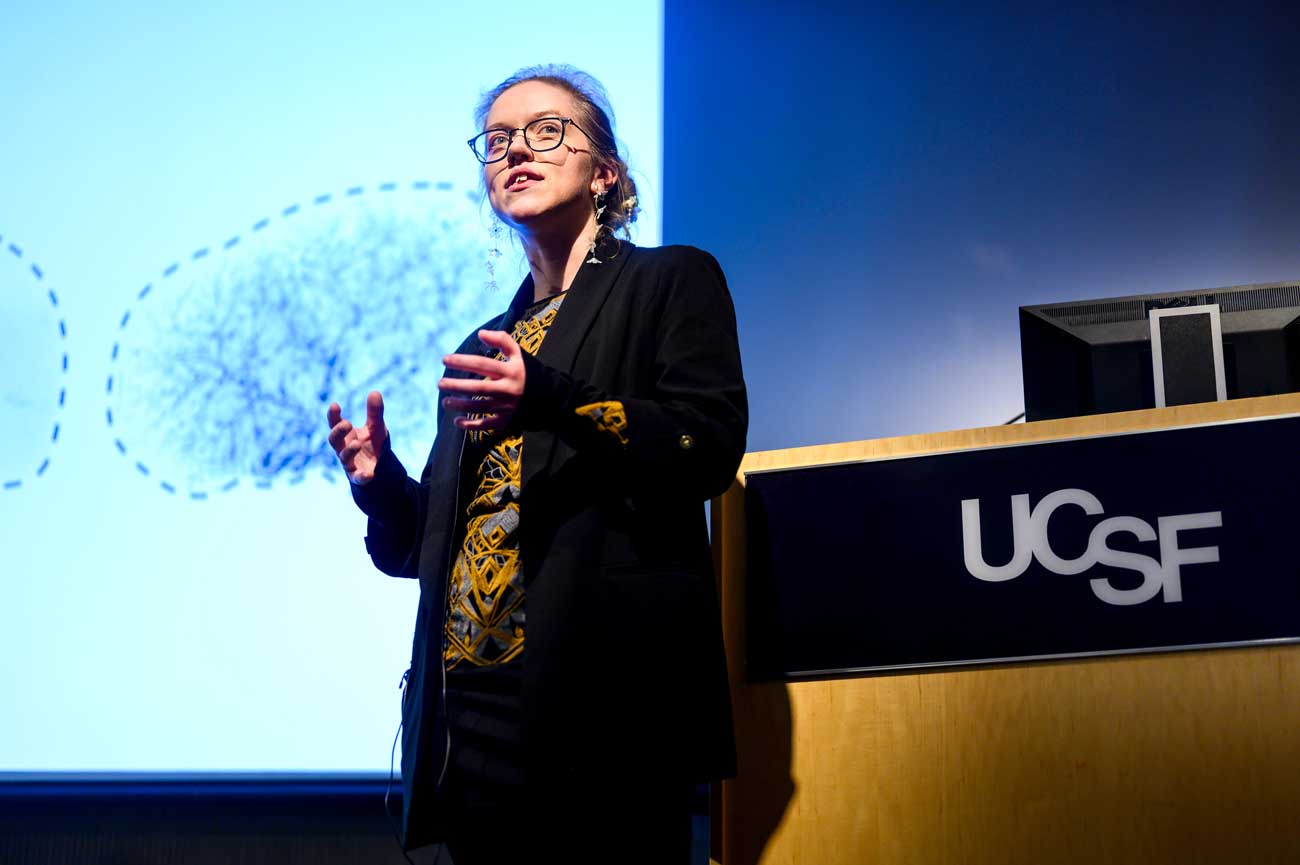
x,y
522,177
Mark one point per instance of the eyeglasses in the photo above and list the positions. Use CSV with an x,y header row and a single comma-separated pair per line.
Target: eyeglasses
x,y
541,135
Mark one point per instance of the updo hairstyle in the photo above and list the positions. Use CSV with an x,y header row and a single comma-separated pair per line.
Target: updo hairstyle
x,y
593,113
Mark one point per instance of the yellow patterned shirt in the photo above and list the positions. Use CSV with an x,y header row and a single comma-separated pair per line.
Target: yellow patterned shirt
x,y
485,616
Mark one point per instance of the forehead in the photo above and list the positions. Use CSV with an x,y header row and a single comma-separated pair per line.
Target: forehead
x,y
528,100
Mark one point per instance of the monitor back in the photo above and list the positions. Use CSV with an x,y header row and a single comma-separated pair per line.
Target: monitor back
x,y
1094,356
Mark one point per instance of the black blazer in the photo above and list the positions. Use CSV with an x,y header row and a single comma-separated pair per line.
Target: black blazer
x,y
623,660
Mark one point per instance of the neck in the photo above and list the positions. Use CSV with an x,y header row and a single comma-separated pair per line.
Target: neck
x,y
554,256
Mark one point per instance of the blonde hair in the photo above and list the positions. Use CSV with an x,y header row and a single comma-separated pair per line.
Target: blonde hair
x,y
594,115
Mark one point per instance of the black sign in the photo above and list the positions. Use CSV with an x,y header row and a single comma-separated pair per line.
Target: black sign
x,y
1176,539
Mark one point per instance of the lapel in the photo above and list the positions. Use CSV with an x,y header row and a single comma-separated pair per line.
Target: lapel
x,y
577,315
522,300
591,287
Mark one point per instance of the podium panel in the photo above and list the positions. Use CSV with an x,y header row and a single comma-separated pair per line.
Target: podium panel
x,y
1186,757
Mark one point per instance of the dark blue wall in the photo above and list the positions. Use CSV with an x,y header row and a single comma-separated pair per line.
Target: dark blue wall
x,y
886,185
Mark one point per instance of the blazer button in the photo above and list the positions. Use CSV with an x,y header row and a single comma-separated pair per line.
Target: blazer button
x,y
686,442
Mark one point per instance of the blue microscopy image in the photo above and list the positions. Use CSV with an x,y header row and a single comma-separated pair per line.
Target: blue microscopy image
x,y
225,363
33,366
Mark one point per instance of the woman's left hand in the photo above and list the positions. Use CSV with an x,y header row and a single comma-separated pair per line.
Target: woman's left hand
x,y
490,402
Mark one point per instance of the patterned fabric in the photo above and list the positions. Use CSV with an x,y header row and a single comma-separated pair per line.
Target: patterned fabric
x,y
609,418
485,615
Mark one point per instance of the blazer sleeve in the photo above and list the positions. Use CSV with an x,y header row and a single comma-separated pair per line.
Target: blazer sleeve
x,y
395,505
687,435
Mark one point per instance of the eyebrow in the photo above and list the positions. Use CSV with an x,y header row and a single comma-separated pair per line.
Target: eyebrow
x,y
545,112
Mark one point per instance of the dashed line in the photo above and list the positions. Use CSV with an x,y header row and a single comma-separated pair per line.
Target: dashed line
x,y
204,252
38,274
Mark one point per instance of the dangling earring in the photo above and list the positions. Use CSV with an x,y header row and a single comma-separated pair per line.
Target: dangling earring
x,y
493,254
599,198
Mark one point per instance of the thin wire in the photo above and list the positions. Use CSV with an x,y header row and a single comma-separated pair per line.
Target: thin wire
x,y
388,812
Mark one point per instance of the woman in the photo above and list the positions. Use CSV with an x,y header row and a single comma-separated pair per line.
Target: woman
x,y
567,685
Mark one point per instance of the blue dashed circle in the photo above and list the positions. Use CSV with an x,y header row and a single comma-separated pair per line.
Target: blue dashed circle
x,y
204,252
11,248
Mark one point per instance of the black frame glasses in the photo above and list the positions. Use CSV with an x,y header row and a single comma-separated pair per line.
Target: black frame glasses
x,y
480,143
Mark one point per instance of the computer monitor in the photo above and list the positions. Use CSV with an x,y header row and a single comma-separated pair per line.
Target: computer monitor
x,y
1094,356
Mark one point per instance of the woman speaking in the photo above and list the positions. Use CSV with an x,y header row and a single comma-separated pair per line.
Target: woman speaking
x,y
567,686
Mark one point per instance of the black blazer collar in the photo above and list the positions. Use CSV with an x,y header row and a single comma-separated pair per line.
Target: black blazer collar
x,y
587,294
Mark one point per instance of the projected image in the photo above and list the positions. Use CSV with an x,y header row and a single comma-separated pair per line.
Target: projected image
x,y
233,243
33,356
223,367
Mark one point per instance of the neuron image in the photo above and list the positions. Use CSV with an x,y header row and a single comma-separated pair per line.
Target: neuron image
x,y
33,366
224,368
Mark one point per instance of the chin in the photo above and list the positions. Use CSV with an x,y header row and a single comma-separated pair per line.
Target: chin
x,y
528,215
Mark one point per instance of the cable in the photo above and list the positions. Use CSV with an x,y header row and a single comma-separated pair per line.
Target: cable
x,y
388,812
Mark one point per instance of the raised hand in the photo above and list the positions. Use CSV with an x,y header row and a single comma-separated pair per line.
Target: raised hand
x,y
486,403
359,449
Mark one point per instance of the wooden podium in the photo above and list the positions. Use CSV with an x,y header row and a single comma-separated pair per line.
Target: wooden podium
x,y
1187,757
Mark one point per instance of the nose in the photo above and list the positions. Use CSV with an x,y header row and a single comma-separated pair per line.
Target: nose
x,y
518,151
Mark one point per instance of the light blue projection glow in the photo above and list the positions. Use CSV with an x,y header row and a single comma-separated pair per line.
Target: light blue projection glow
x,y
225,365
225,218
33,356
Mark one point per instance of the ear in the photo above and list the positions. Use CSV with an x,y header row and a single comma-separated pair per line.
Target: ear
x,y
603,178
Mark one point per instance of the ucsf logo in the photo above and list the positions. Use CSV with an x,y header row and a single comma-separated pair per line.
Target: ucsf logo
x,y
1029,538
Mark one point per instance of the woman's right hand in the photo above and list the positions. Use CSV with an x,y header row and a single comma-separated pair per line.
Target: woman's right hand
x,y
359,449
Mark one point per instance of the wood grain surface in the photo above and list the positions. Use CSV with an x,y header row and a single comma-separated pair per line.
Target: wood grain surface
x,y
1189,757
